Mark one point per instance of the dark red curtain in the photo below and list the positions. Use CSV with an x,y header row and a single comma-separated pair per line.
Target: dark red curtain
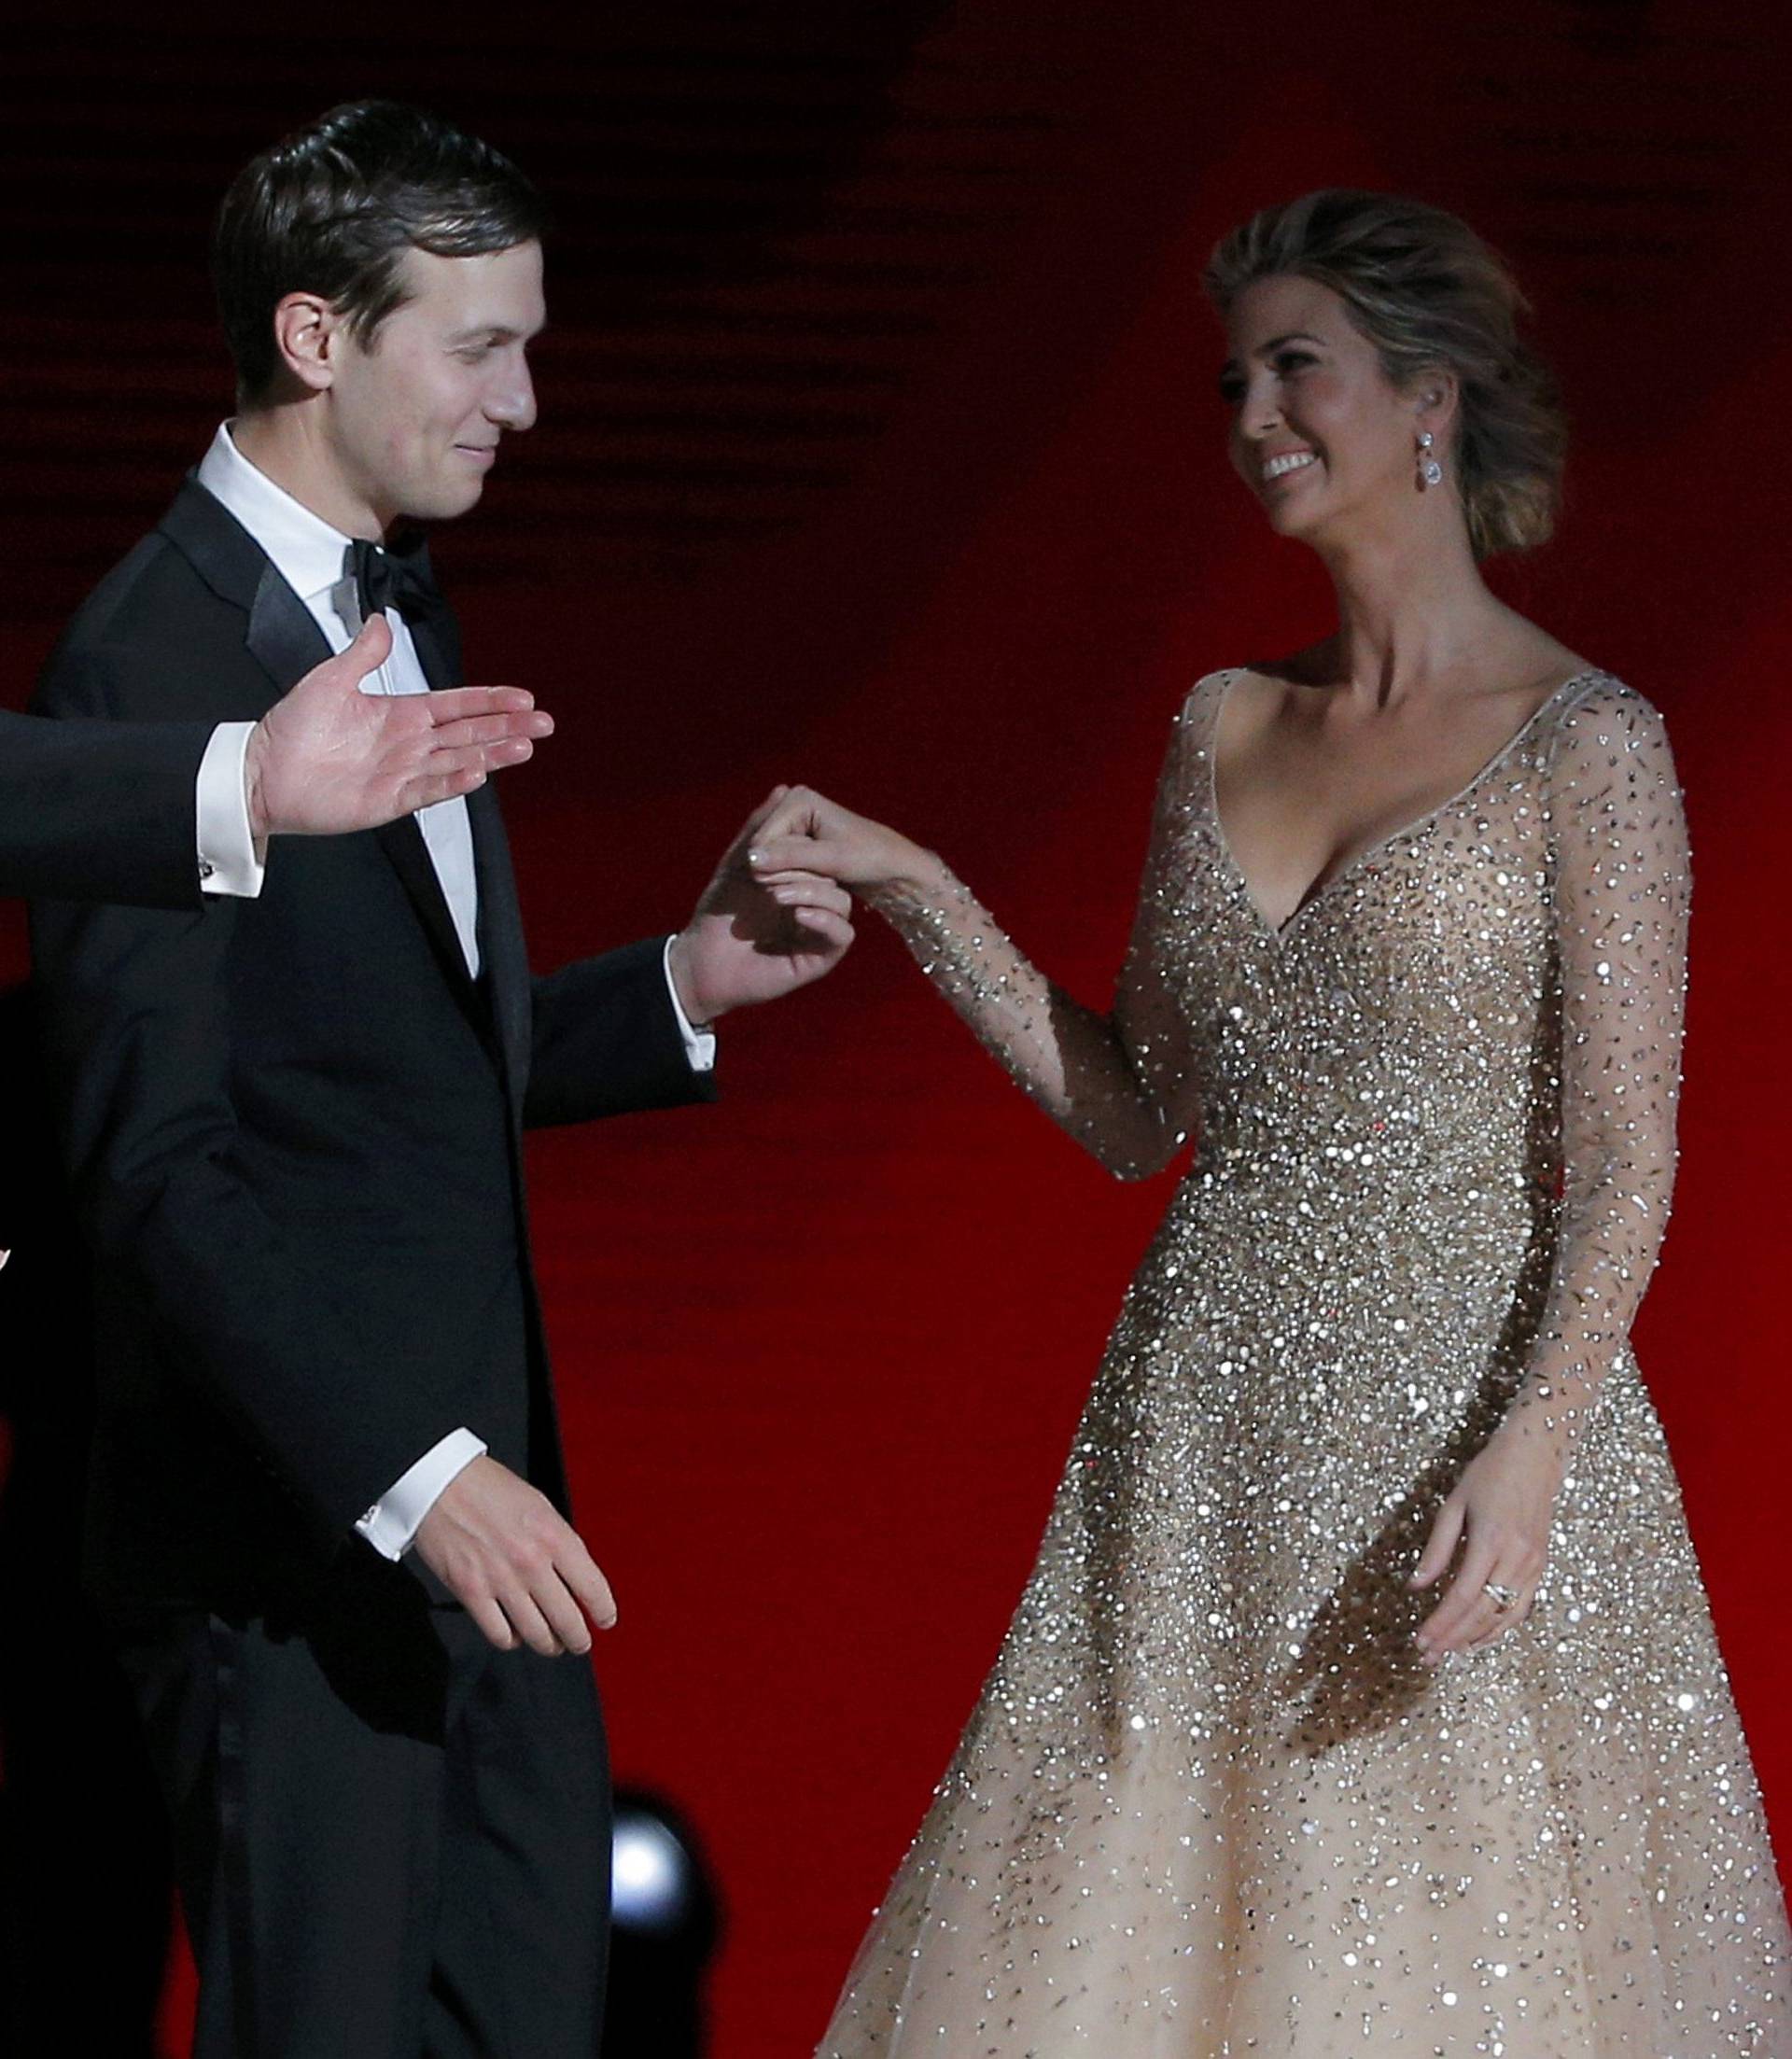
x,y
879,448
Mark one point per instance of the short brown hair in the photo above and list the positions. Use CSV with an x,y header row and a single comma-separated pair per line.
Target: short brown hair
x,y
1428,293
332,209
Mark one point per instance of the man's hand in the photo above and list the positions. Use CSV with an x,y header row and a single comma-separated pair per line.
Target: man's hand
x,y
749,943
513,1562
330,758
805,829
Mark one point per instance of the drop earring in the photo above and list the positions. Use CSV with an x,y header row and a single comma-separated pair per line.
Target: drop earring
x,y
1431,473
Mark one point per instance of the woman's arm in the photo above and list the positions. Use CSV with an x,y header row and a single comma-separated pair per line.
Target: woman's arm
x,y
1623,883
1119,1082
1622,880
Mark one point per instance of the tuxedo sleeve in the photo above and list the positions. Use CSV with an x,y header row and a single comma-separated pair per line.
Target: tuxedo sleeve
x,y
100,811
136,1010
606,1040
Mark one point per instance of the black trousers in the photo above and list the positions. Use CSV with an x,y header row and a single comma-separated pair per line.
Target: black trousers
x,y
392,1840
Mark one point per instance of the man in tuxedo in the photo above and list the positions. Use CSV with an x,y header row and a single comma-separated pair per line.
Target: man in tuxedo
x,y
329,1514
157,813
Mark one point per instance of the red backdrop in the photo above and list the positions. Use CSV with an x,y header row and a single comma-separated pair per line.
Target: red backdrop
x,y
878,448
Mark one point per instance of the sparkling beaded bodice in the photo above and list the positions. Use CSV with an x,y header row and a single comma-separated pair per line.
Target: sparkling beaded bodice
x,y
1394,1041
1475,1021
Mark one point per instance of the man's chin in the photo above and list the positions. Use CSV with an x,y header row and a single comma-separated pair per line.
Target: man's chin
x,y
446,501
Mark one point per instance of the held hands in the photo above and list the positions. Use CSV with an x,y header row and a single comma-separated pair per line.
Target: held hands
x,y
513,1562
750,941
803,833
1503,1503
330,758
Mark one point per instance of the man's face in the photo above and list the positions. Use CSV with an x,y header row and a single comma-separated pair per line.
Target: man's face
x,y
416,416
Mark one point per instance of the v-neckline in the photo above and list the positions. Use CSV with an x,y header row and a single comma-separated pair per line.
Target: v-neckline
x,y
1321,887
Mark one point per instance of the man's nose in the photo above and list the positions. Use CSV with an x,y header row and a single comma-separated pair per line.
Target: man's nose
x,y
511,403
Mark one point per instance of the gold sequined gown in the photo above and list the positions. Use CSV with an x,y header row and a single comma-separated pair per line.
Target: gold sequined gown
x,y
1210,1802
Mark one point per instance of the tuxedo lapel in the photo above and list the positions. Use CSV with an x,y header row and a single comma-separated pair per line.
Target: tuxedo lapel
x,y
283,637
438,648
280,634
403,845
503,948
503,955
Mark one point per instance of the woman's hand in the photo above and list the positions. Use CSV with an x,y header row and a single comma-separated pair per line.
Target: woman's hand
x,y
1503,1503
806,832
748,942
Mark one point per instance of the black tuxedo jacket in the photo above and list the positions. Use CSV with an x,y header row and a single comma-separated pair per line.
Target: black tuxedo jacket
x,y
294,1128
99,812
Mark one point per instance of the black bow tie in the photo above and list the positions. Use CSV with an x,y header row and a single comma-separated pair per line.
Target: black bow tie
x,y
395,575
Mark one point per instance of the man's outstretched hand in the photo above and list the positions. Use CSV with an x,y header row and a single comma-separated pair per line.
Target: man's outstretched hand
x,y
330,758
513,1561
749,943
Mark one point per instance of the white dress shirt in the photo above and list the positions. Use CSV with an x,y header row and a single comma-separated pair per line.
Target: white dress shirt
x,y
228,862
314,560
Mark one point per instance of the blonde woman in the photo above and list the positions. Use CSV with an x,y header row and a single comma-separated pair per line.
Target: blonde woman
x,y
1365,1696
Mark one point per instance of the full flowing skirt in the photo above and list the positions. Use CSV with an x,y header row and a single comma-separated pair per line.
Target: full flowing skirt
x,y
1211,1803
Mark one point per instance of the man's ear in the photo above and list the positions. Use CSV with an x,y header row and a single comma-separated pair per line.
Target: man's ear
x,y
309,335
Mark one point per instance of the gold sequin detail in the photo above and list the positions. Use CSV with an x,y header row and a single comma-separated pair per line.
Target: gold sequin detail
x,y
1210,1802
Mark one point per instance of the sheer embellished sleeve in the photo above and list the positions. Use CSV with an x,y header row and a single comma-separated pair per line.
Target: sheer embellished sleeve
x,y
1119,1083
1623,881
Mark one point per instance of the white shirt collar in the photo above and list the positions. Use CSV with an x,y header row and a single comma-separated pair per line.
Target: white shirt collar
x,y
310,556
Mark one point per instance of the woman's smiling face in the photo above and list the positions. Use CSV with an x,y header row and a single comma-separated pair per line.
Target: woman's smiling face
x,y
1320,433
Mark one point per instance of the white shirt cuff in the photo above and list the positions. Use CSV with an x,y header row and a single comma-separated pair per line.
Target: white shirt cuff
x,y
391,1525
699,1044
228,862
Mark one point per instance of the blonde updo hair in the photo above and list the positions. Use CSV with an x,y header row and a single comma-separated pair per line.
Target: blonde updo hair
x,y
1429,294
